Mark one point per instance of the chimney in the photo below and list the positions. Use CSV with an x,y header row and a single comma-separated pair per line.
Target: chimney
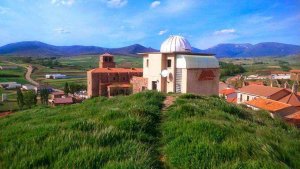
x,y
286,85
295,87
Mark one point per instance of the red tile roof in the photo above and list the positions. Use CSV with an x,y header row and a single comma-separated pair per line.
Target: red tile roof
x,y
293,118
267,104
68,100
260,90
231,100
58,93
255,83
295,71
117,70
292,99
227,91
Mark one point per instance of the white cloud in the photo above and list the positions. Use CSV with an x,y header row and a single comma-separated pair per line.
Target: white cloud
x,y
162,32
225,32
63,2
155,4
61,31
115,3
3,10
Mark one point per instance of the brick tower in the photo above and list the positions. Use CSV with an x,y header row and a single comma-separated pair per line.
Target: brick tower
x,y
106,61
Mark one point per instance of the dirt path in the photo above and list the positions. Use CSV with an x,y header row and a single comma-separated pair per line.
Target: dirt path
x,y
169,100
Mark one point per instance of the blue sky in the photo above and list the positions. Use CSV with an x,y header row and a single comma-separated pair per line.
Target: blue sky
x,y
116,23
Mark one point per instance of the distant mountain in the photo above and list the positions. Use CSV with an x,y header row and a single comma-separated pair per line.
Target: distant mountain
x,y
39,49
257,50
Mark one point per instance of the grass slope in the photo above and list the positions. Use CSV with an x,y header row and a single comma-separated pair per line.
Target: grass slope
x,y
131,132
100,133
207,132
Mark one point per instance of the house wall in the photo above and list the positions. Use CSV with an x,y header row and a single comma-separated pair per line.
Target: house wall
x,y
138,84
192,84
92,84
171,79
295,76
152,72
244,97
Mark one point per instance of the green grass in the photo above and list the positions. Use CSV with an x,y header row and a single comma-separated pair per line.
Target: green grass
x,y
207,132
17,75
99,133
92,61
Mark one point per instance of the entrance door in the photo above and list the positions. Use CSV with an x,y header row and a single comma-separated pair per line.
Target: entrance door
x,y
154,85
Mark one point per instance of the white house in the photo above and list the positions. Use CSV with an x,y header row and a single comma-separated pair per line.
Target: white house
x,y
55,76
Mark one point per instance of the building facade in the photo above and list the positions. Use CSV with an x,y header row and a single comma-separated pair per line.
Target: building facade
x,y
107,80
176,69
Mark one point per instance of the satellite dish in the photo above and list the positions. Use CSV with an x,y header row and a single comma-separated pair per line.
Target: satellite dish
x,y
164,73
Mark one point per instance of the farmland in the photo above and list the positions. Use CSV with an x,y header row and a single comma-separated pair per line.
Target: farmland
x,y
133,132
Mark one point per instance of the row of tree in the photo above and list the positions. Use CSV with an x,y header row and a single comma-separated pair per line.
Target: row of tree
x,y
28,99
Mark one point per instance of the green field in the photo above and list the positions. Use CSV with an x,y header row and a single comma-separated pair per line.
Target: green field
x,y
133,132
92,61
12,75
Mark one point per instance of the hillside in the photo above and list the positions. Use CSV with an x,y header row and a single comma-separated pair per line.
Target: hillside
x,y
257,50
39,49
133,132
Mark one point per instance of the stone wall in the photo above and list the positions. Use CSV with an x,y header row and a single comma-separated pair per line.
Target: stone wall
x,y
138,84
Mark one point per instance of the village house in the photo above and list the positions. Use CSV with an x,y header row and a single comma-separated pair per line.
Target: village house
x,y
280,75
229,94
176,69
59,98
8,67
295,75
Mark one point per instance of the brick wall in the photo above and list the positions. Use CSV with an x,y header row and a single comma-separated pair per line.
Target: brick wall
x,y
138,84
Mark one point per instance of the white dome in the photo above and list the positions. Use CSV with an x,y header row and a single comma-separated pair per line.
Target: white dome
x,y
175,44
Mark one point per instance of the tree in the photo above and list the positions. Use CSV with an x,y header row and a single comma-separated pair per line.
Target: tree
x,y
66,89
30,98
20,98
44,93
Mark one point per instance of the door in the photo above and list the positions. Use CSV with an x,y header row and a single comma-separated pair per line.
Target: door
x,y
154,85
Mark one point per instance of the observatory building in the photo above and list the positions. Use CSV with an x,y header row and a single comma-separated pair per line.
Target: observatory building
x,y
176,69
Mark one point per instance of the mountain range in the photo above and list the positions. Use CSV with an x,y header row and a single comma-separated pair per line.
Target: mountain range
x,y
40,49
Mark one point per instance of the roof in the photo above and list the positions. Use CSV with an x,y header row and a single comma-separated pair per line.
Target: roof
x,y
295,71
231,100
279,72
267,104
106,54
260,90
255,83
68,100
58,93
294,118
126,85
292,99
176,44
227,91
117,70
195,61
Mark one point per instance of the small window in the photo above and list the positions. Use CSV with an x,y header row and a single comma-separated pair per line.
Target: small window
x,y
247,98
169,62
147,63
105,59
110,59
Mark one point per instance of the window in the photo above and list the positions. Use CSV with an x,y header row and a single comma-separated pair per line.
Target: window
x,y
154,85
241,98
110,59
169,62
105,59
247,98
147,63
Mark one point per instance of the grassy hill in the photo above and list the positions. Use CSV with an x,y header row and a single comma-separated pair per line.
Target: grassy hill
x,y
133,132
